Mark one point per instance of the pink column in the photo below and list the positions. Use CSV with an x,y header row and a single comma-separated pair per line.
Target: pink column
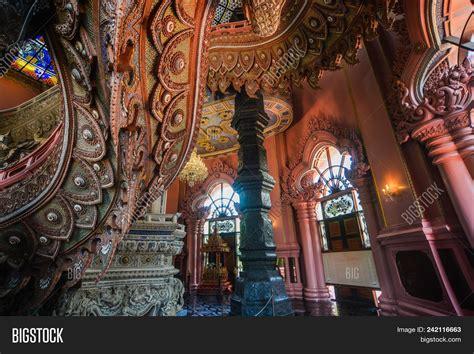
x,y
464,140
367,199
442,120
315,288
317,249
191,239
456,177
195,228
199,255
287,272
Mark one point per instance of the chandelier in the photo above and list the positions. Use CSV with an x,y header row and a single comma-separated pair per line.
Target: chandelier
x,y
195,170
264,15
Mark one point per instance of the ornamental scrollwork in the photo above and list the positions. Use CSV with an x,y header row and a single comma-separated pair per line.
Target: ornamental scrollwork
x,y
313,37
80,201
298,180
142,282
447,94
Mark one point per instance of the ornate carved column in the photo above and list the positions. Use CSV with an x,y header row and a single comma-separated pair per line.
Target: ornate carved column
x,y
315,288
194,229
456,176
259,290
443,122
304,202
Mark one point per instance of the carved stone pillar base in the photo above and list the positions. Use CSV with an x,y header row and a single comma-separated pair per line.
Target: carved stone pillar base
x,y
140,281
316,295
260,293
320,308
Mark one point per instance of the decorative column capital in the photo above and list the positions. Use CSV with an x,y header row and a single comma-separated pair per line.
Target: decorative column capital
x,y
300,193
197,216
359,174
444,107
202,213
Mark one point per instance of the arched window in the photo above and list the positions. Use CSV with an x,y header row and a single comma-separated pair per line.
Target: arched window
x,y
331,166
223,215
339,212
222,198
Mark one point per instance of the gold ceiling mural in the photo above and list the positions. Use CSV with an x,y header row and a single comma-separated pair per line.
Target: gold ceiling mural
x,y
217,137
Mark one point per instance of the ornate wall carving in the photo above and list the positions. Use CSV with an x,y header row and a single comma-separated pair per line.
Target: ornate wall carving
x,y
313,37
264,15
427,86
141,279
116,121
46,107
444,106
297,180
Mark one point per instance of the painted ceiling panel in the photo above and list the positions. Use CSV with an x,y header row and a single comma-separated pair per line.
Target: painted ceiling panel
x,y
216,136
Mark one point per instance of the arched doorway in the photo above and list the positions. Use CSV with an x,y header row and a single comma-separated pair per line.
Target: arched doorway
x,y
339,212
223,204
343,230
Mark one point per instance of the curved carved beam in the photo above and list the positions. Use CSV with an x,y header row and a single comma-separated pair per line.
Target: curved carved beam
x,y
314,36
132,90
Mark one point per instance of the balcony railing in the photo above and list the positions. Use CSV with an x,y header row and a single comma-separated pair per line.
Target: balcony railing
x,y
28,164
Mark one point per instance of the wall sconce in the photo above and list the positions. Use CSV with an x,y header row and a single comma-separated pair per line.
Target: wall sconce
x,y
390,192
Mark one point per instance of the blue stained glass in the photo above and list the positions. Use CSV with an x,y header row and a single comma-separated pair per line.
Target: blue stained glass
x,y
34,60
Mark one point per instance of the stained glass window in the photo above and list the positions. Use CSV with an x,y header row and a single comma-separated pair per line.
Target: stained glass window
x,y
331,166
338,206
34,60
226,11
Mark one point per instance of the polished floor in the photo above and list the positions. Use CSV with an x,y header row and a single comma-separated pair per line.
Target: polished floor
x,y
207,306
219,305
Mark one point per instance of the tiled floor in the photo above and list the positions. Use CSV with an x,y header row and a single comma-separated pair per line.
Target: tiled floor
x,y
216,306
207,306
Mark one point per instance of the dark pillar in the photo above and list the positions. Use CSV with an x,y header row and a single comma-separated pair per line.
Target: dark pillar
x,y
259,290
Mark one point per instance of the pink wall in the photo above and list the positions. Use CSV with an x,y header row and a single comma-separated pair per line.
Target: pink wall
x,y
351,97
14,93
172,197
381,146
